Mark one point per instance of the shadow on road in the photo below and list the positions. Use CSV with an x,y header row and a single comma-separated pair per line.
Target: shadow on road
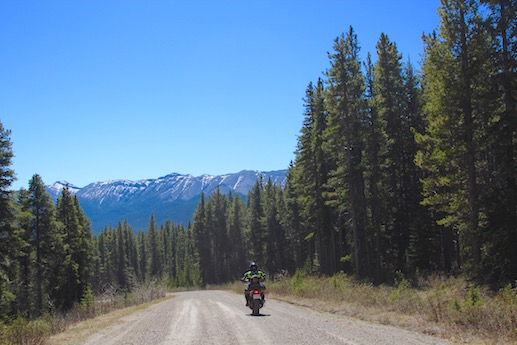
x,y
259,315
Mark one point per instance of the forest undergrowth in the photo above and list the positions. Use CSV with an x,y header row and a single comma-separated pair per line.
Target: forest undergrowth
x,y
445,307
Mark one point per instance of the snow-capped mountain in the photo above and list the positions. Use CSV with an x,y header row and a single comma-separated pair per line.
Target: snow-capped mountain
x,y
58,186
173,197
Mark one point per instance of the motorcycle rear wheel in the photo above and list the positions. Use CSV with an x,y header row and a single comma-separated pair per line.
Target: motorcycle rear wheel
x,y
256,307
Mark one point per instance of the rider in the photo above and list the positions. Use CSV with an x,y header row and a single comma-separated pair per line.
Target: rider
x,y
248,275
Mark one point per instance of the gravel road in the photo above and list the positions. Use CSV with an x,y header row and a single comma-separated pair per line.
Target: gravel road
x,y
219,317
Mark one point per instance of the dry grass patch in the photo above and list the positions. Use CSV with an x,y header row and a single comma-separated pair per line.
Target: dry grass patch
x,y
450,308
110,305
83,329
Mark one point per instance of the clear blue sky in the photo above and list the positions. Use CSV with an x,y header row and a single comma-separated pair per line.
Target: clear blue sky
x,y
104,90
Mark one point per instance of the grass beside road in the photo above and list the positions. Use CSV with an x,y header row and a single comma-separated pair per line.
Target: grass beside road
x,y
82,319
449,308
81,330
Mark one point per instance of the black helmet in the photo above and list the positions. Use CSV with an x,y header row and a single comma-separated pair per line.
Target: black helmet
x,y
253,266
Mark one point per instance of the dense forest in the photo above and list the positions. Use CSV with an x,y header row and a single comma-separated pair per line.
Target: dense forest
x,y
397,171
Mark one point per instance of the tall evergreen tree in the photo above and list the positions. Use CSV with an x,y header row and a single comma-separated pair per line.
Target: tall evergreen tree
x,y
142,255
425,240
72,279
389,103
273,231
375,163
331,249
200,239
84,251
23,267
236,245
346,108
313,165
292,223
190,274
302,177
216,226
154,264
169,239
45,237
500,262
9,240
121,257
455,72
396,101
131,251
255,214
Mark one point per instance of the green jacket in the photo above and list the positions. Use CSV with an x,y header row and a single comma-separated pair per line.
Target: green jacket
x,y
247,276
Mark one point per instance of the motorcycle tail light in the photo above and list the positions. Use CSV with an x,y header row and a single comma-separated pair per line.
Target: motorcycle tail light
x,y
256,292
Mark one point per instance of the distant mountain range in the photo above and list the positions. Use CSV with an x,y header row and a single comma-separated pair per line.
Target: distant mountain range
x,y
173,197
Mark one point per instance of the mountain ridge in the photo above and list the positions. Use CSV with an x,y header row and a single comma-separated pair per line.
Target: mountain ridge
x,y
173,196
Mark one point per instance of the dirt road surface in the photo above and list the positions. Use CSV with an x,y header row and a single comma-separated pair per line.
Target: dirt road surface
x,y
219,317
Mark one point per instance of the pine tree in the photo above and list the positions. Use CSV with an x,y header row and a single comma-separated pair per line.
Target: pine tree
x,y
311,169
200,239
142,255
292,222
388,100
100,261
169,238
425,242
9,241
346,107
455,71
396,102
273,232
322,164
131,252
216,229
45,237
190,274
302,176
122,262
71,281
154,264
375,163
84,251
255,214
236,249
111,255
499,266
281,235
23,267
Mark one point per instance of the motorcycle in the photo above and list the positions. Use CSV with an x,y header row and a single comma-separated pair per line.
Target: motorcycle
x,y
255,293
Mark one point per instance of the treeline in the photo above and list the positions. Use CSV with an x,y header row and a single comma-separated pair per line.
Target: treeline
x,y
396,171
50,261
403,172
123,259
228,234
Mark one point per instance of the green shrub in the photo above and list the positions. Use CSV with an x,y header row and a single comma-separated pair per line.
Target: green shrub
x,y
473,298
21,331
87,305
302,284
